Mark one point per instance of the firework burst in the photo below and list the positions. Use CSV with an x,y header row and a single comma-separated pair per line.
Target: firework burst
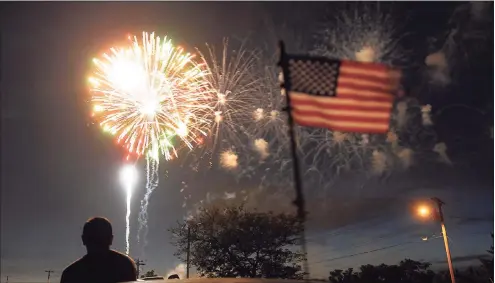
x,y
363,33
147,94
231,83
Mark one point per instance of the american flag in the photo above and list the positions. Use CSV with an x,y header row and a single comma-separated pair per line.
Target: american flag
x,y
340,95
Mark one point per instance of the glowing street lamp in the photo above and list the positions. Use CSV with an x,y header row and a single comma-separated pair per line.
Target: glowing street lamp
x,y
426,211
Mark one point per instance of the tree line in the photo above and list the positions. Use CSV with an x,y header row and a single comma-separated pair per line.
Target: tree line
x,y
234,242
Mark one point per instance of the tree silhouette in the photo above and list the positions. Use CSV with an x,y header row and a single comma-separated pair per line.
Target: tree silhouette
x,y
233,242
488,263
408,271
341,276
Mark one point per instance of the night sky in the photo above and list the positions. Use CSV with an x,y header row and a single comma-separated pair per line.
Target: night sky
x,y
58,169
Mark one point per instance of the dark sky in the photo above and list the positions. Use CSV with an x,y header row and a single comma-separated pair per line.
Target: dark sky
x,y
57,170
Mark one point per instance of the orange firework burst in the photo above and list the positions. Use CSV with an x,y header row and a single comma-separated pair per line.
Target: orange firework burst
x,y
146,93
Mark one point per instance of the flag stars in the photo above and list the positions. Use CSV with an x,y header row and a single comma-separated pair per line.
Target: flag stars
x,y
316,77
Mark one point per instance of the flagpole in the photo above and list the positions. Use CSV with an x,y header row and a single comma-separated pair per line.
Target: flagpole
x,y
299,201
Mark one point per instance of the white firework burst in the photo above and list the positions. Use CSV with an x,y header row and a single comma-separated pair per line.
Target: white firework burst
x,y
364,32
232,82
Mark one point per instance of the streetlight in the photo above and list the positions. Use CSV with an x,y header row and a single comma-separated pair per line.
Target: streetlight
x,y
426,211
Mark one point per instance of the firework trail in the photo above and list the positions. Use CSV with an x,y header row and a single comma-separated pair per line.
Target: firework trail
x,y
152,179
127,222
128,177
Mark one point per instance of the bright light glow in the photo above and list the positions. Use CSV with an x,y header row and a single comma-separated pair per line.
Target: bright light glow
x,y
128,176
424,211
182,130
228,160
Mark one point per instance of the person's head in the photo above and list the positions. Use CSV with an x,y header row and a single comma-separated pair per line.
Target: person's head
x,y
97,234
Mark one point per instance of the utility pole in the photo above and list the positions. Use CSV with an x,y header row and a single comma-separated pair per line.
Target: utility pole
x,y
188,251
139,263
49,273
7,279
439,204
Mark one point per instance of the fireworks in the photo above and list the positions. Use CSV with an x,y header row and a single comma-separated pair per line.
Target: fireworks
x,y
228,160
153,98
261,146
269,119
363,33
231,83
148,93
368,37
426,115
465,40
406,157
441,149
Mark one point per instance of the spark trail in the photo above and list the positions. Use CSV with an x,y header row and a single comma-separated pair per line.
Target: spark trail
x,y
152,178
127,225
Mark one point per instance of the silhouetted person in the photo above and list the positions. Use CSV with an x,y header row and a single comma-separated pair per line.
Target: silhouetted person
x,y
100,264
174,276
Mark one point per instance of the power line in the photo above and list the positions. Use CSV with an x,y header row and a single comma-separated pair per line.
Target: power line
x,y
376,250
366,252
380,237
355,228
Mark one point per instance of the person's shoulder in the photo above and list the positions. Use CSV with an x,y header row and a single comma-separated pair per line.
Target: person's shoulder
x,y
121,257
75,264
72,268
